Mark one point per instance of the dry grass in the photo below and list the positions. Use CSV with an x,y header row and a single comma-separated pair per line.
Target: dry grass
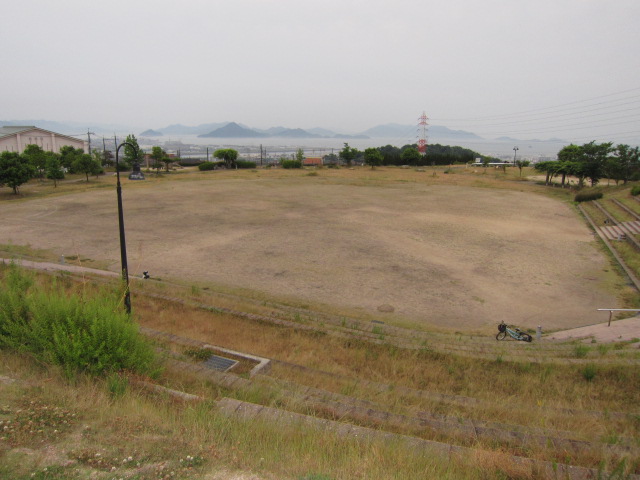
x,y
147,437
454,246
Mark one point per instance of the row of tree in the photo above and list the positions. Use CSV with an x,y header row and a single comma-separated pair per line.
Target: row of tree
x,y
593,161
407,155
34,162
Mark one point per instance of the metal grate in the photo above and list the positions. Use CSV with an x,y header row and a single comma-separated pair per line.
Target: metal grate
x,y
220,363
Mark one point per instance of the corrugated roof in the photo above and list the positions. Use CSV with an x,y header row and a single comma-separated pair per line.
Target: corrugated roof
x,y
13,129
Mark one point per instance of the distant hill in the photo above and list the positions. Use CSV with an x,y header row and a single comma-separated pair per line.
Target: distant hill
x,y
323,132
178,129
151,133
233,130
296,133
344,136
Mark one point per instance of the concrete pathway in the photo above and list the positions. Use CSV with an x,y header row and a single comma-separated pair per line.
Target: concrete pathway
x,y
620,330
52,267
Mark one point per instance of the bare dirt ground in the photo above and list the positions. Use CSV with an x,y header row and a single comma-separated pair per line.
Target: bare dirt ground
x,y
441,255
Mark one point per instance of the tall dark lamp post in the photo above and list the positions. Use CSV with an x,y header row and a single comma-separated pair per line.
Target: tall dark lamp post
x,y
123,245
515,150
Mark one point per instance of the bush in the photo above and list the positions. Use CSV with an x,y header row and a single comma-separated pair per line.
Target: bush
x,y
581,350
80,334
635,190
206,166
587,196
245,164
291,164
589,372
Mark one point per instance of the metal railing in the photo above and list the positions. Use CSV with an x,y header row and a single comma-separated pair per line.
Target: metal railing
x,y
611,310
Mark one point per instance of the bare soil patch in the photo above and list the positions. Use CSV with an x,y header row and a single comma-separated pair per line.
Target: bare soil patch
x,y
440,255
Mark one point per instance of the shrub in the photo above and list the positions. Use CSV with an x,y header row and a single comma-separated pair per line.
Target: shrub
x,y
206,166
291,164
581,350
245,164
199,354
79,334
589,372
587,196
635,190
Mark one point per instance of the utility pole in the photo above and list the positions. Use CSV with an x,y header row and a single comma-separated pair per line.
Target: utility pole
x,y
515,150
89,133
260,154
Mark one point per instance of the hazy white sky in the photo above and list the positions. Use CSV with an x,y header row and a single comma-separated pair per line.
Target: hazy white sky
x,y
342,64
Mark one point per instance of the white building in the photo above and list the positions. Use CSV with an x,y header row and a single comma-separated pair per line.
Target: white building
x,y
16,138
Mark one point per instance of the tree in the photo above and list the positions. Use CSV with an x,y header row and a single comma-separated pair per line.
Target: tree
x,y
86,164
68,156
300,155
330,159
132,155
167,160
544,167
107,158
53,168
521,164
348,154
373,157
390,155
157,155
629,161
14,170
593,159
410,156
569,163
228,155
36,157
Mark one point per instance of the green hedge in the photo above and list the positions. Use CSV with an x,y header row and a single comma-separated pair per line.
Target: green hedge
x,y
206,166
635,190
291,164
90,335
245,164
587,196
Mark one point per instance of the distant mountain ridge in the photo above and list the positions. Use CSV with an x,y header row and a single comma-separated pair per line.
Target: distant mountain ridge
x,y
238,130
235,130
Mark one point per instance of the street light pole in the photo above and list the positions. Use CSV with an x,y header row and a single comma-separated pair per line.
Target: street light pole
x,y
123,245
515,150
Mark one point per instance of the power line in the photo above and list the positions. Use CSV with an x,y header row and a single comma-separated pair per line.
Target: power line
x,y
526,112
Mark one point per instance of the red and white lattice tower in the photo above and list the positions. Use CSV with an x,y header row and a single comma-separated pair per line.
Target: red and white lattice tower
x,y
423,128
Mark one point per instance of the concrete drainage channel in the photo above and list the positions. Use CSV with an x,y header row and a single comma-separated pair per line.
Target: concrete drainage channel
x,y
342,406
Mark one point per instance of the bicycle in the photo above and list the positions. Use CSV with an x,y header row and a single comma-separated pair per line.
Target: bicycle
x,y
514,332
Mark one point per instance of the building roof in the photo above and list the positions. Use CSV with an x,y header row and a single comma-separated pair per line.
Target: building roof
x,y
8,130
13,129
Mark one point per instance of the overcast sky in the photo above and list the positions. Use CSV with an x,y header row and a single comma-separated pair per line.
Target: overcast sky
x,y
571,67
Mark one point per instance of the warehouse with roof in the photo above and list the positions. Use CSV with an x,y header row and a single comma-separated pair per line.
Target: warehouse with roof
x,y
14,138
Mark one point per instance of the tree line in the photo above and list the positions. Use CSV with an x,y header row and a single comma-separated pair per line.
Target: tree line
x,y
593,161
34,162
407,155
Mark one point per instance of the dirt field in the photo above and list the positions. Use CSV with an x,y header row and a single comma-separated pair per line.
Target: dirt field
x,y
443,255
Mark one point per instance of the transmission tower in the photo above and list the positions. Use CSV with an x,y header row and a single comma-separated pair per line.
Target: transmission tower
x,y
423,128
